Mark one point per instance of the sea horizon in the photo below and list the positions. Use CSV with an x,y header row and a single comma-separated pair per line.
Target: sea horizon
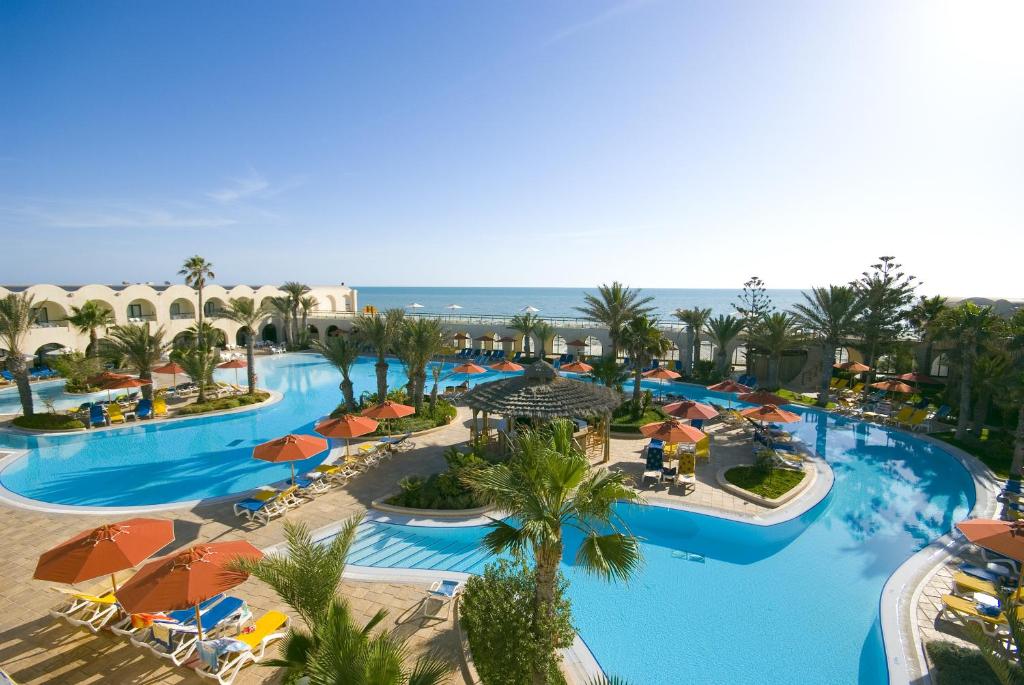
x,y
553,302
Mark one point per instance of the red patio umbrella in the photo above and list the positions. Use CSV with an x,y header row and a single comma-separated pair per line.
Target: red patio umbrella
x,y
920,379
730,385
235,364
124,383
104,551
186,579
105,377
893,386
576,367
852,367
505,366
1002,537
388,410
290,448
762,397
469,367
170,368
688,409
771,414
673,430
662,374
347,427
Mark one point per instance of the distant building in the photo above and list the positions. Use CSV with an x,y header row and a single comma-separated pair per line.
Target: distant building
x,y
172,306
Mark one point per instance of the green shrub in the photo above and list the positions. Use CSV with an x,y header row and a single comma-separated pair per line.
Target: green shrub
x,y
623,421
224,403
445,490
958,665
497,610
48,422
441,415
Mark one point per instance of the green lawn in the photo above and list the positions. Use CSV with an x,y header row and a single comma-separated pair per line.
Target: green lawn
x,y
627,424
766,484
48,422
796,398
996,452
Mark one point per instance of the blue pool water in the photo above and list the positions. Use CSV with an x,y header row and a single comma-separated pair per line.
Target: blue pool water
x,y
157,463
720,601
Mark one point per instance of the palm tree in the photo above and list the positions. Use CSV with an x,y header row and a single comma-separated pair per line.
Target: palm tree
x,y
342,353
294,291
549,485
199,364
418,341
197,271
138,348
609,372
307,304
923,317
527,325
723,330
282,306
992,376
544,332
92,315
244,312
16,317
1015,389
970,327
644,341
613,306
695,319
830,314
206,332
332,648
378,332
774,334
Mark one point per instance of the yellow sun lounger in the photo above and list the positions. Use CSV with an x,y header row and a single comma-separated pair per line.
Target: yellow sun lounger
x,y
82,609
224,666
964,611
967,583
114,413
159,407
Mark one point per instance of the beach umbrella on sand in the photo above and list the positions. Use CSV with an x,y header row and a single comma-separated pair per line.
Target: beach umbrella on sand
x,y
186,579
290,448
123,384
576,367
769,413
469,367
893,386
104,551
414,305
762,397
529,309
453,307
852,367
170,368
688,409
673,430
1002,537
235,364
346,427
662,374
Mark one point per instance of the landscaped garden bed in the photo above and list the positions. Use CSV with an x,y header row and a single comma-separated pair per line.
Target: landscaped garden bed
x,y
224,403
769,484
49,422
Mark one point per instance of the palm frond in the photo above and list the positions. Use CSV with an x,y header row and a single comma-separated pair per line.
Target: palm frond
x,y
612,556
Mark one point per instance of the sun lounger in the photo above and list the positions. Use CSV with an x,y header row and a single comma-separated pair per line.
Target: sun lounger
x,y
308,487
137,625
655,462
399,444
144,409
443,593
89,611
177,641
159,407
265,507
702,450
97,417
114,413
994,573
965,582
966,612
222,659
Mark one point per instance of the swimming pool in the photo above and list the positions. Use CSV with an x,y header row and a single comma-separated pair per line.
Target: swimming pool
x,y
191,459
722,601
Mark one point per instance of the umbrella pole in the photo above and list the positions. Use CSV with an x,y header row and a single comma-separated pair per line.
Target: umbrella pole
x,y
293,472
199,624
113,582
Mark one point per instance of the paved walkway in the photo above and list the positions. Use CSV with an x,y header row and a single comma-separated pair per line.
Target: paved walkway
x,y
36,649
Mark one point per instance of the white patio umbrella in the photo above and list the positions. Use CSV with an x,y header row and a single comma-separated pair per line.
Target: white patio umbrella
x,y
454,306
529,308
414,305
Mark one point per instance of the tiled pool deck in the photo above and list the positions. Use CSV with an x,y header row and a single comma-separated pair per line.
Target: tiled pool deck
x,y
34,648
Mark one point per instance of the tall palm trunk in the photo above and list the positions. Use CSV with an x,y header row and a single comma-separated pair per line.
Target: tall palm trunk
x,y
694,350
1018,445
828,354
147,390
94,343
966,378
382,377
20,372
637,379
250,360
547,558
347,392
980,411
200,341
774,362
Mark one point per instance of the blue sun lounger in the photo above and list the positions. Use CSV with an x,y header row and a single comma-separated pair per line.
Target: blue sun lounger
x,y
96,416
177,641
144,409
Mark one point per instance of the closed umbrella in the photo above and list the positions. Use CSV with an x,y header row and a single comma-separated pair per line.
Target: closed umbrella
x,y
186,579
104,551
290,448
346,427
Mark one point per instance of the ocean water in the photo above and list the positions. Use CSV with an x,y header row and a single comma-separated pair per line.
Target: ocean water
x,y
553,301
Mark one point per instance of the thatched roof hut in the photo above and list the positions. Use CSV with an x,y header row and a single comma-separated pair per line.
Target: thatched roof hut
x,y
540,393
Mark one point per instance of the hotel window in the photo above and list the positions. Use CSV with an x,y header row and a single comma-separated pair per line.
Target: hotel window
x,y
175,309
209,308
940,366
135,311
842,355
41,315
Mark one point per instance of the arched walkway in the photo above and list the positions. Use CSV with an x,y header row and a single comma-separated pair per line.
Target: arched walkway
x,y
269,333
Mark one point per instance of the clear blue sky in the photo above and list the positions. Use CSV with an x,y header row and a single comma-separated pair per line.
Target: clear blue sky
x,y
662,143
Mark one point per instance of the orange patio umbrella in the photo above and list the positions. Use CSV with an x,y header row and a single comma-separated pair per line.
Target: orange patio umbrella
x,y
104,551
673,430
347,427
576,367
730,385
771,414
389,410
688,409
469,367
290,448
852,367
170,368
1001,537
124,383
893,386
235,364
105,377
505,366
186,579
662,374
577,343
762,397
920,378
